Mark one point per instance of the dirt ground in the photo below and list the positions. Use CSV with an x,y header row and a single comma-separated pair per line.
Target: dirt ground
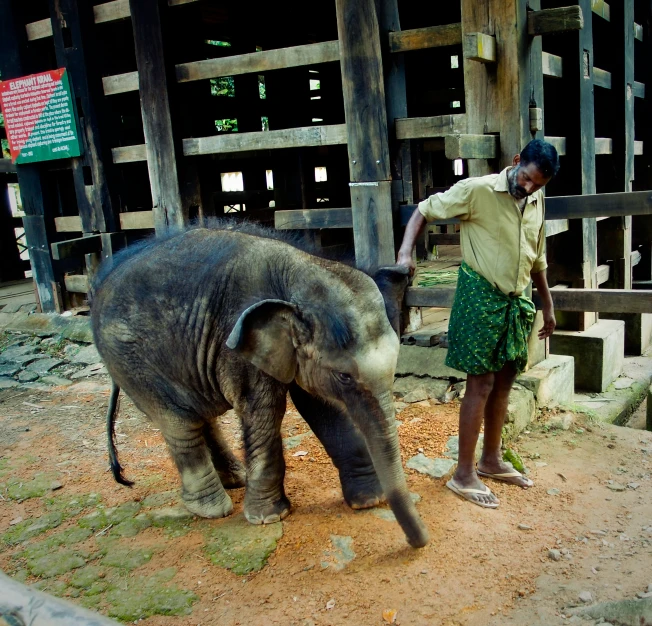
x,y
481,566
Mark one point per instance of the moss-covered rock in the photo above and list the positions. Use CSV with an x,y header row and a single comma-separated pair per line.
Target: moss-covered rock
x,y
132,526
18,489
31,528
102,518
55,564
240,546
126,558
85,577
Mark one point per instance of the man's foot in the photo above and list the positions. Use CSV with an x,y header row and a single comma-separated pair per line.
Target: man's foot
x,y
504,473
482,497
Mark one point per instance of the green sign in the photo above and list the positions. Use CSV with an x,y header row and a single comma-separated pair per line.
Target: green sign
x,y
39,117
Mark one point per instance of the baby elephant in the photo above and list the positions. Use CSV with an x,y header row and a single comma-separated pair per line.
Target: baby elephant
x,y
210,319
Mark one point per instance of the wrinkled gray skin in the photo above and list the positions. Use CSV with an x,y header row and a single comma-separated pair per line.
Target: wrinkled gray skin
x,y
210,320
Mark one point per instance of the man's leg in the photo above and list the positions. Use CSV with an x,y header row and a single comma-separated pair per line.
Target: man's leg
x,y
494,418
478,391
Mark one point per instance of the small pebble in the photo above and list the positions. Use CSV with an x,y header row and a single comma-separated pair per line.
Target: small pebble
x,y
586,596
553,492
555,555
524,527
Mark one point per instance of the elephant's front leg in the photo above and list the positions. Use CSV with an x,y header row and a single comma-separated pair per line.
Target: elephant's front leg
x,y
265,501
346,447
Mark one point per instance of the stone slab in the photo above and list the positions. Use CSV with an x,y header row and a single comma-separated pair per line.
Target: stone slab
x,y
87,356
520,412
551,381
437,468
44,365
599,353
434,388
417,361
8,383
75,328
638,330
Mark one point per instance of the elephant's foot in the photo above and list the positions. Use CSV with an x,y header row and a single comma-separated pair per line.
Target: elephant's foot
x,y
362,492
217,504
265,511
233,477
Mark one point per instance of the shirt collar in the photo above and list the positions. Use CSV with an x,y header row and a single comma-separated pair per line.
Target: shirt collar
x,y
503,186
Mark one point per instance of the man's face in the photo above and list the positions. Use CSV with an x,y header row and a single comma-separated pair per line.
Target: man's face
x,y
524,180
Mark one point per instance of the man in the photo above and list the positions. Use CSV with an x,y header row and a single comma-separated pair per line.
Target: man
x,y
503,247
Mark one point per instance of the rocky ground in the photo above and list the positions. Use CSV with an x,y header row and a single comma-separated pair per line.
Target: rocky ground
x,y
580,539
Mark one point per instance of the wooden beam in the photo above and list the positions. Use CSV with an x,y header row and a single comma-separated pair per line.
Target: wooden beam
x,y
554,227
559,20
638,89
471,146
638,148
552,65
443,239
76,283
603,145
313,218
7,167
70,224
76,247
256,62
137,220
120,83
598,205
601,78
430,37
268,140
601,8
39,30
157,120
603,274
559,143
479,47
428,127
638,32
129,154
111,11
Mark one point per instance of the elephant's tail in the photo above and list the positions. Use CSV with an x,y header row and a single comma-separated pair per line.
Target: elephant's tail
x,y
116,468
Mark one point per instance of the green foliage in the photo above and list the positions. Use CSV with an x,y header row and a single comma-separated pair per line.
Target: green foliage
x,y
223,86
226,125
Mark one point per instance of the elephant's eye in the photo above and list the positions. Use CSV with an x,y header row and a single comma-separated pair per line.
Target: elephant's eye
x,y
345,379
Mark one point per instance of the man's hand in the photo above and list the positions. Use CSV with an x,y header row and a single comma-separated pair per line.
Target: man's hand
x,y
405,259
549,322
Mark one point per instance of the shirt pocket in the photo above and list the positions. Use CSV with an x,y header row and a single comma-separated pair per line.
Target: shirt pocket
x,y
530,243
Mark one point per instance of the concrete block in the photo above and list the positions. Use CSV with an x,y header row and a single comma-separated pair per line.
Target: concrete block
x,y
638,330
551,381
599,353
416,361
520,412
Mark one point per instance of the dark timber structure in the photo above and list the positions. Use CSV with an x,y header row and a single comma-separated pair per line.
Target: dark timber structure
x,y
336,119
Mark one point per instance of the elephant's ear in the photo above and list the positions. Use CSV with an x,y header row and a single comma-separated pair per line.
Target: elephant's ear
x,y
392,282
264,335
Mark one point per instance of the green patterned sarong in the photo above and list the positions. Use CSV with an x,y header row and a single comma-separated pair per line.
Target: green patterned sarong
x,y
487,328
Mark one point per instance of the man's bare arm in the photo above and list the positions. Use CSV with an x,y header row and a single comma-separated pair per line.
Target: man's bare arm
x,y
540,281
412,231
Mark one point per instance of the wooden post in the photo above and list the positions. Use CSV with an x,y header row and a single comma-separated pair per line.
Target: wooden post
x,y
157,121
366,123
14,63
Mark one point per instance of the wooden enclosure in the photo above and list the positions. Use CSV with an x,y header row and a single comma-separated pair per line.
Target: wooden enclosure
x,y
336,119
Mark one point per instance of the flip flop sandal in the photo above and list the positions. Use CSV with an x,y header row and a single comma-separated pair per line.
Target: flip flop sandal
x,y
504,477
468,493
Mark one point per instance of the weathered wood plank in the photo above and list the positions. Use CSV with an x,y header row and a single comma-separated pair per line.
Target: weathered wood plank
x,y
551,65
427,127
559,143
39,30
443,239
548,21
129,154
76,283
137,220
598,205
479,47
554,227
603,145
638,148
430,37
601,8
269,140
157,120
69,224
471,146
638,31
601,78
255,62
76,247
638,89
120,83
603,274
111,11
313,218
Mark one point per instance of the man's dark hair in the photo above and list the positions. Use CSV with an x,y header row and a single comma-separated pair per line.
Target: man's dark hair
x,y
543,155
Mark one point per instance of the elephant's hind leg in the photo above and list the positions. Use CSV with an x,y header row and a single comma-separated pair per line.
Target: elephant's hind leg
x,y
201,488
230,470
346,447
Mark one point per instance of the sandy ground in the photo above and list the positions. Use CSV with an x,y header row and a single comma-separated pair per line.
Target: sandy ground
x,y
479,568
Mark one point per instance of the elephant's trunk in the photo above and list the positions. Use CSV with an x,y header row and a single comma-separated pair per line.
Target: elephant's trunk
x,y
378,426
